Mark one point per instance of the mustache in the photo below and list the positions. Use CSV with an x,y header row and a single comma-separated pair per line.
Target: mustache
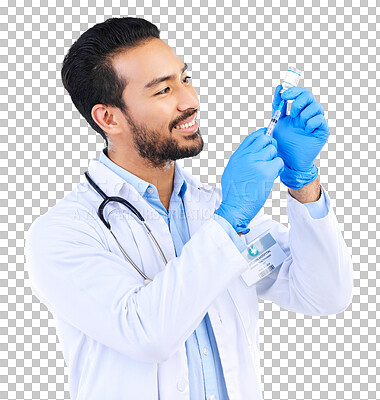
x,y
185,116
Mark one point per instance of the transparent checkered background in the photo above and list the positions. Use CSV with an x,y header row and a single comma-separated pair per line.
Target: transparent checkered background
x,y
236,55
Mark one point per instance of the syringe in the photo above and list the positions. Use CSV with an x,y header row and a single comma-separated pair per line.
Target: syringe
x,y
275,118
292,77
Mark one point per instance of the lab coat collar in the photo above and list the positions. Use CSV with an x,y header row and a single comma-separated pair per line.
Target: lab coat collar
x,y
199,201
179,184
114,185
195,198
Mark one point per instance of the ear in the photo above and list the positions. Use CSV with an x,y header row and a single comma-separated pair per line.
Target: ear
x,y
106,117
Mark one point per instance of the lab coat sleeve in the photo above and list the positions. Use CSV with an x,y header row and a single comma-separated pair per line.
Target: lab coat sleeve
x,y
316,276
74,274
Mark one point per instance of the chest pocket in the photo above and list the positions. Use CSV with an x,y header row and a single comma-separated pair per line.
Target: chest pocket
x,y
245,301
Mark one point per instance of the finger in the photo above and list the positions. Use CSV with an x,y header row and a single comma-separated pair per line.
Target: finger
x,y
276,98
261,142
310,111
267,153
293,92
317,125
300,103
251,138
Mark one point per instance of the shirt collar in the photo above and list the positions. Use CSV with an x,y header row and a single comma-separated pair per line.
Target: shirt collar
x,y
179,184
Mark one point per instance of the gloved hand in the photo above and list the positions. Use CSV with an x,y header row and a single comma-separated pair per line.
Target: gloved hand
x,y
248,179
300,136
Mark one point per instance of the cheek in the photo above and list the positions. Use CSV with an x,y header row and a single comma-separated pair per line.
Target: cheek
x,y
153,115
161,117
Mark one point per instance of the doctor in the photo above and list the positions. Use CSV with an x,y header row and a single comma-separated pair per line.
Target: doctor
x,y
192,332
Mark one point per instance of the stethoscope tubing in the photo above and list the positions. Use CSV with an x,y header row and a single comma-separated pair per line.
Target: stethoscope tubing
x,y
136,213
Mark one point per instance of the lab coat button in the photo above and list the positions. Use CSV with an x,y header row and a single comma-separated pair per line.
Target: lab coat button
x,y
150,190
205,351
212,397
181,385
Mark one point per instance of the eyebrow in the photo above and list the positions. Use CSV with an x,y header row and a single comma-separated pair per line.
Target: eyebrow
x,y
160,79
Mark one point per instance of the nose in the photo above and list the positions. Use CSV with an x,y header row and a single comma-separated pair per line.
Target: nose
x,y
187,98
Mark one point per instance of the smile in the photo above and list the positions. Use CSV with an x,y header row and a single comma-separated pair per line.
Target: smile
x,y
189,126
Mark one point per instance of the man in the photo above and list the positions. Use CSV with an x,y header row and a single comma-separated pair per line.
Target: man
x,y
189,329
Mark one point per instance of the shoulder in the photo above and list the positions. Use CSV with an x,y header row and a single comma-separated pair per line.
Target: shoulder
x,y
74,215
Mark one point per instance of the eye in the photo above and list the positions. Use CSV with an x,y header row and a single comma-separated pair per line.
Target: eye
x,y
162,91
185,80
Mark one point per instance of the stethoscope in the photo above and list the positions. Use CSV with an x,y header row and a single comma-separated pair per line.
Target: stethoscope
x,y
107,200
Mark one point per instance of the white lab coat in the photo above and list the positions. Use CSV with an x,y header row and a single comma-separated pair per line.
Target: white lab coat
x,y
124,341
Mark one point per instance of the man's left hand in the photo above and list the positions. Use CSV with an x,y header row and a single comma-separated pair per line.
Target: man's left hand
x,y
300,135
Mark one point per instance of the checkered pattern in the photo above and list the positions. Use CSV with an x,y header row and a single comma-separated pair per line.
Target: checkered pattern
x,y
236,56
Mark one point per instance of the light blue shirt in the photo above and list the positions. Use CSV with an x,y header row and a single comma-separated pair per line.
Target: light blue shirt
x,y
206,377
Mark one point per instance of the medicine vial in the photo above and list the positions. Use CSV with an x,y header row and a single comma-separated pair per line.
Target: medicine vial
x,y
292,77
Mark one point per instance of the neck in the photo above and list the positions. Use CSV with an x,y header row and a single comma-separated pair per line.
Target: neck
x,y
161,177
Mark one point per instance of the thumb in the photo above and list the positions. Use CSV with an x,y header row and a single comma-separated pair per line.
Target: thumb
x,y
251,137
277,100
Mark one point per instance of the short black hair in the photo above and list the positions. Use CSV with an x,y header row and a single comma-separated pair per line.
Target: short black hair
x,y
87,72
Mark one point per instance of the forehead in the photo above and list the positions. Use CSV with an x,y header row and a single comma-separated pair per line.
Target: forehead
x,y
146,62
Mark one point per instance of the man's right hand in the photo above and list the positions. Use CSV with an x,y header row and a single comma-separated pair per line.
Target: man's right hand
x,y
248,179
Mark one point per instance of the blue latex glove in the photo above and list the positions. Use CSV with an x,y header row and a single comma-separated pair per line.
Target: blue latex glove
x,y
300,135
248,179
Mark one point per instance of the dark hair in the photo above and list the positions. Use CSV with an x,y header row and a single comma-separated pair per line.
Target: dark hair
x,y
87,72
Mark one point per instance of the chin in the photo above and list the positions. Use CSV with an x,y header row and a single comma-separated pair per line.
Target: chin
x,y
192,136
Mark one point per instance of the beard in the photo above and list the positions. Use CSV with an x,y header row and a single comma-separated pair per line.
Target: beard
x,y
159,150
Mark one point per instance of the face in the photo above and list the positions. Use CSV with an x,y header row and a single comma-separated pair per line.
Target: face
x,y
156,107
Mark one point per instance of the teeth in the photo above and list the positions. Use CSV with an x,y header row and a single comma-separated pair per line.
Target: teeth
x,y
187,125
